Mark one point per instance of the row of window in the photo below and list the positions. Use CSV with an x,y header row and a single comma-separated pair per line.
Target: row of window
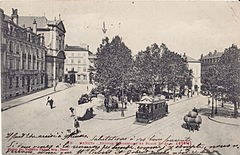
x,y
79,69
212,60
16,47
79,61
25,81
79,54
30,64
82,77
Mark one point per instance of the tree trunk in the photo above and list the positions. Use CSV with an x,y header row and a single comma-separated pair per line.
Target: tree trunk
x,y
153,91
168,91
55,86
222,100
212,114
235,109
174,94
216,106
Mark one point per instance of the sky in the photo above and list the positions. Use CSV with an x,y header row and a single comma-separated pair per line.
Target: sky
x,y
189,27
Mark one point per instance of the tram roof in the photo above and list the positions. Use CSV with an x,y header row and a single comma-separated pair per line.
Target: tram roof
x,y
151,100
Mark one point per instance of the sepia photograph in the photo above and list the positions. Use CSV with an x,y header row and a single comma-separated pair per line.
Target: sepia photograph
x,y
111,77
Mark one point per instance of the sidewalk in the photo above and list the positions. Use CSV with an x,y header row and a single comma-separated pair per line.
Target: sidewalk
x,y
225,116
226,121
34,96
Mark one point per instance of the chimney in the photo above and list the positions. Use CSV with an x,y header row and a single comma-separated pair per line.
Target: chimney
x,y
14,16
34,26
201,58
88,47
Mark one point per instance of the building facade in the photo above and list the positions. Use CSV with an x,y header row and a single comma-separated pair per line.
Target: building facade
x,y
195,66
23,63
209,60
77,64
54,34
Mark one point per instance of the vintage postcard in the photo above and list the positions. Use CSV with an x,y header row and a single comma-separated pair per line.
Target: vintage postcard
x,y
120,77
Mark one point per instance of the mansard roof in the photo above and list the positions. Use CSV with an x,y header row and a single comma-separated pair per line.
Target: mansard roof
x,y
42,22
27,21
74,48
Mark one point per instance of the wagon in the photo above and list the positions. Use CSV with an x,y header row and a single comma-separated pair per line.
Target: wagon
x,y
192,121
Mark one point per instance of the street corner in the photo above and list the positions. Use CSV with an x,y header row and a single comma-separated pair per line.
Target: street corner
x,y
226,120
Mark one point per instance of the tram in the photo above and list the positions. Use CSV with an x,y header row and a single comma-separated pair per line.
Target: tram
x,y
151,109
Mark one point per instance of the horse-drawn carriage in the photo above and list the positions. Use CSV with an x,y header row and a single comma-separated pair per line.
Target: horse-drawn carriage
x,y
192,120
151,109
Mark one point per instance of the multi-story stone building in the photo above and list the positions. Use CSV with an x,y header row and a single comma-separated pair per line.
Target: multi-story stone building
x,y
77,64
22,57
209,60
54,33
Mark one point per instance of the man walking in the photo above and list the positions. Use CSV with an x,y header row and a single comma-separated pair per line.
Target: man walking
x,y
76,125
72,111
50,101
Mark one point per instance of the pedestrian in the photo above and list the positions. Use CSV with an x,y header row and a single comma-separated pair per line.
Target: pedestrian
x,y
76,125
91,112
106,103
50,101
72,111
125,101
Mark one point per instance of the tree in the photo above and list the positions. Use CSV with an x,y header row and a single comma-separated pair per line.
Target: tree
x,y
175,71
113,63
148,68
158,67
229,68
211,82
